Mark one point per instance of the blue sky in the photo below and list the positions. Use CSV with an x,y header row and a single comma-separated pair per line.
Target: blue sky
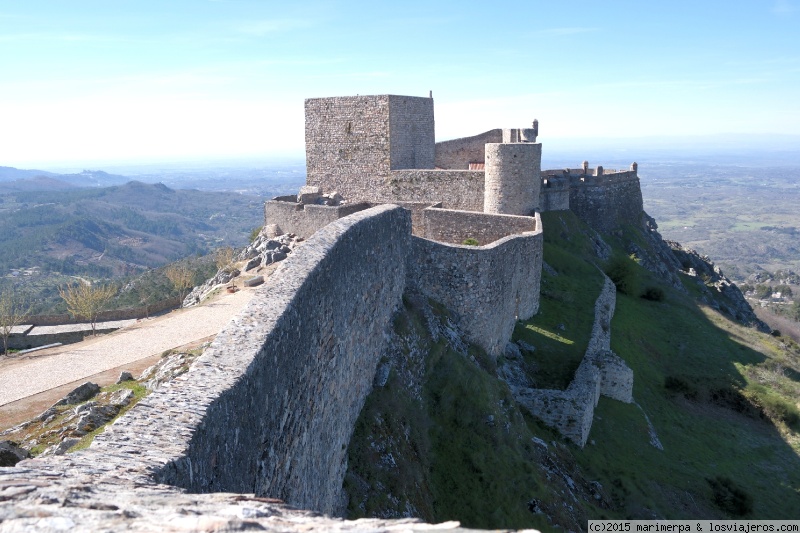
x,y
144,81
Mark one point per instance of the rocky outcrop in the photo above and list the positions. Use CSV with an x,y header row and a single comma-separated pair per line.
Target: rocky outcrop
x,y
265,250
56,430
717,290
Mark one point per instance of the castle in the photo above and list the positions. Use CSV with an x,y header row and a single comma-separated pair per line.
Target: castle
x,y
270,406
485,190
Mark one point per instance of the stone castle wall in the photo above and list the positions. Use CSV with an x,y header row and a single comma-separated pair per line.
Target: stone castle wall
x,y
488,288
454,226
305,219
608,201
347,143
554,194
457,154
411,129
270,406
456,189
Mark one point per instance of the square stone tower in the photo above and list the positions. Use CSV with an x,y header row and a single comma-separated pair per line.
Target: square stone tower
x,y
353,142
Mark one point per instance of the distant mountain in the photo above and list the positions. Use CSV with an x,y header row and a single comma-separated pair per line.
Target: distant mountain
x,y
11,173
119,230
86,178
36,183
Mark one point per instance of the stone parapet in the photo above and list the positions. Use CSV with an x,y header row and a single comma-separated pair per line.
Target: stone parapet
x,y
455,189
306,219
455,226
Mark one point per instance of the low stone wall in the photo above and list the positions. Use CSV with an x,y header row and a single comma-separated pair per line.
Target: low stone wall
x,y
305,219
455,226
417,210
107,316
35,336
457,154
456,189
488,288
571,411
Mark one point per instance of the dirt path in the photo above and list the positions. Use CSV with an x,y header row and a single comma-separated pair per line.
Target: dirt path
x,y
133,348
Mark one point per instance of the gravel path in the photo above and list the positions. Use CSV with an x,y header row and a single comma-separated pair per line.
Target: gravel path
x,y
41,372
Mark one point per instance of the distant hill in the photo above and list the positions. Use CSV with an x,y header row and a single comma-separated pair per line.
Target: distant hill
x,y
36,183
108,232
11,173
86,178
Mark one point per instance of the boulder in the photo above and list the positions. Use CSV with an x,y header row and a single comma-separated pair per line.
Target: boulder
x,y
252,263
11,454
80,394
124,376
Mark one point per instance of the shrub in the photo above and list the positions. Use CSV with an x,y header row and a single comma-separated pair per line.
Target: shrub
x,y
255,233
730,497
680,385
622,272
470,242
655,294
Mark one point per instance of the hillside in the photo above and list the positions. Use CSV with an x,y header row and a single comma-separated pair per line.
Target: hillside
x,y
111,232
714,432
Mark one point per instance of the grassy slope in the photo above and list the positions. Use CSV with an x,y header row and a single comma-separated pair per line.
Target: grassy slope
x,y
726,413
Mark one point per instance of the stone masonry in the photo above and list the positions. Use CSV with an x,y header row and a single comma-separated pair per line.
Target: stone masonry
x,y
601,372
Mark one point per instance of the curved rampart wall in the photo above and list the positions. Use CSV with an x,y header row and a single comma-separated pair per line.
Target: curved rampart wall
x,y
456,189
454,226
457,154
270,406
487,287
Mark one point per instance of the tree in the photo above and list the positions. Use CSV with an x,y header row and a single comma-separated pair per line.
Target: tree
x,y
85,300
224,257
181,276
12,313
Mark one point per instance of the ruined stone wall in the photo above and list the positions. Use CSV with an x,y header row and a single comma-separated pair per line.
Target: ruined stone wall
x,y
457,154
456,189
453,226
306,219
486,287
411,128
270,406
607,201
571,411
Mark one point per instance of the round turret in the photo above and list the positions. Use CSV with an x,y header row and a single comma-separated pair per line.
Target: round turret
x,y
512,178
